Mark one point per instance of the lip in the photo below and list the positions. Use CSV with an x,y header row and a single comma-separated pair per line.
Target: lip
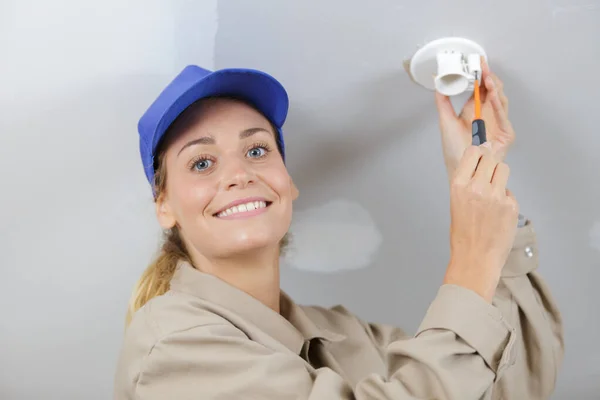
x,y
242,201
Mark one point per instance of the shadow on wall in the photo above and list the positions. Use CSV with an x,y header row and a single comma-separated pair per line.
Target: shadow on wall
x,y
387,111
556,167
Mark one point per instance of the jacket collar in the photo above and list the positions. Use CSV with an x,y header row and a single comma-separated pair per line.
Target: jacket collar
x,y
292,328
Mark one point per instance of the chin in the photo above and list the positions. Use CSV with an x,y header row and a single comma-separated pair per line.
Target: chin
x,y
249,241
223,239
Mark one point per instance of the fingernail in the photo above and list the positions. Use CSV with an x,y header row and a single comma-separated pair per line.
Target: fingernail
x,y
487,145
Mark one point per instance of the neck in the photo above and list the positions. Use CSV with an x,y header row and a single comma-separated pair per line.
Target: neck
x,y
256,274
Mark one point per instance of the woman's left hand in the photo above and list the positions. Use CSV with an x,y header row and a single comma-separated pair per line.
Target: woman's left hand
x,y
456,130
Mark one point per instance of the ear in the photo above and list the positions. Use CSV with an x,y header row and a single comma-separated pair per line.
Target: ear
x,y
164,213
295,191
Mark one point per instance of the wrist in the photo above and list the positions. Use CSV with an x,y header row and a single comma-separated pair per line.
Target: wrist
x,y
486,292
477,277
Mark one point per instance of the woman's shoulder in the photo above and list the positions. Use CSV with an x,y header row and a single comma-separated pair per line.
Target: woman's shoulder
x,y
162,317
162,322
170,313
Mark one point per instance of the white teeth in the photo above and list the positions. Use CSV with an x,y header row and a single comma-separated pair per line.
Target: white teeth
x,y
243,208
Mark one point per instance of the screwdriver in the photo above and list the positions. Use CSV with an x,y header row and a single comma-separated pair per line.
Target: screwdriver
x,y
478,127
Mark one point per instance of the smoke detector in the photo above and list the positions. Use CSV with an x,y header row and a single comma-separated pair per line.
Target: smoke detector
x,y
448,65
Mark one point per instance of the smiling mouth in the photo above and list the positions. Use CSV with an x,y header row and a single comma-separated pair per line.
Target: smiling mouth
x,y
251,207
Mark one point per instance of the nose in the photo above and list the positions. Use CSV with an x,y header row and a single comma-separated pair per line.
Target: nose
x,y
237,174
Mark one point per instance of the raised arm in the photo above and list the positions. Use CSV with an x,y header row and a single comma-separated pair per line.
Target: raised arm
x,y
521,295
526,304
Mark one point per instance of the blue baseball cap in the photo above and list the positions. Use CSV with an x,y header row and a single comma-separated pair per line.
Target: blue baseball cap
x,y
195,83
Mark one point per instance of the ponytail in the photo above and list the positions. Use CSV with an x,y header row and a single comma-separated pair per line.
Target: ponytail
x,y
155,280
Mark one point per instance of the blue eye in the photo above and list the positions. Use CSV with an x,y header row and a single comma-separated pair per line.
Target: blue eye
x,y
202,164
257,152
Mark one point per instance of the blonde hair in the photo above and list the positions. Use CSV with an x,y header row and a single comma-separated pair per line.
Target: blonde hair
x,y
155,280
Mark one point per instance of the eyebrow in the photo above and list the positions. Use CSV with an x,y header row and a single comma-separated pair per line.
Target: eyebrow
x,y
211,140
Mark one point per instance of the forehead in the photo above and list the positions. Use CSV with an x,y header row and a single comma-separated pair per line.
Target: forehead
x,y
217,117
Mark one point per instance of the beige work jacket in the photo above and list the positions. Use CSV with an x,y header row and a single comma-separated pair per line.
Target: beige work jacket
x,y
206,340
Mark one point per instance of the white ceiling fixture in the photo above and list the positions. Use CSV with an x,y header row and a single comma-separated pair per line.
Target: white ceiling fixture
x,y
448,65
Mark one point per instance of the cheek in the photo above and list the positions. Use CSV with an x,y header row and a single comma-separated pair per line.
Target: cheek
x,y
193,196
280,182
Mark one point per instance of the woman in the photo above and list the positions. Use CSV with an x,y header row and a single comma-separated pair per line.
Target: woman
x,y
208,319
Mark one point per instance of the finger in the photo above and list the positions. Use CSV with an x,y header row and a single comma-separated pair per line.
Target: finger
x,y
468,111
487,165
500,178
511,196
513,200
444,107
500,88
485,73
500,113
467,165
504,101
485,68
498,82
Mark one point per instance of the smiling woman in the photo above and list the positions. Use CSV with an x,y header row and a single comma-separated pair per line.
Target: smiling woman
x,y
208,319
192,154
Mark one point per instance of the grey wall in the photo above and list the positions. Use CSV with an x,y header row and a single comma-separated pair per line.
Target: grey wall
x,y
360,130
77,220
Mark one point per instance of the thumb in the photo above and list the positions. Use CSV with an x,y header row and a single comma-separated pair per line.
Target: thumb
x,y
445,108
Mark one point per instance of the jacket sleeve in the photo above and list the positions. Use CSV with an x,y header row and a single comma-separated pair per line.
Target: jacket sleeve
x,y
526,303
524,298
463,345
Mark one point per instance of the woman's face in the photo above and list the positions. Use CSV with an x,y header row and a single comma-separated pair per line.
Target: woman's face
x,y
227,187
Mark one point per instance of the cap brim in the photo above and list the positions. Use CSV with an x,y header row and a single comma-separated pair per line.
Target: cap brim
x,y
257,87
